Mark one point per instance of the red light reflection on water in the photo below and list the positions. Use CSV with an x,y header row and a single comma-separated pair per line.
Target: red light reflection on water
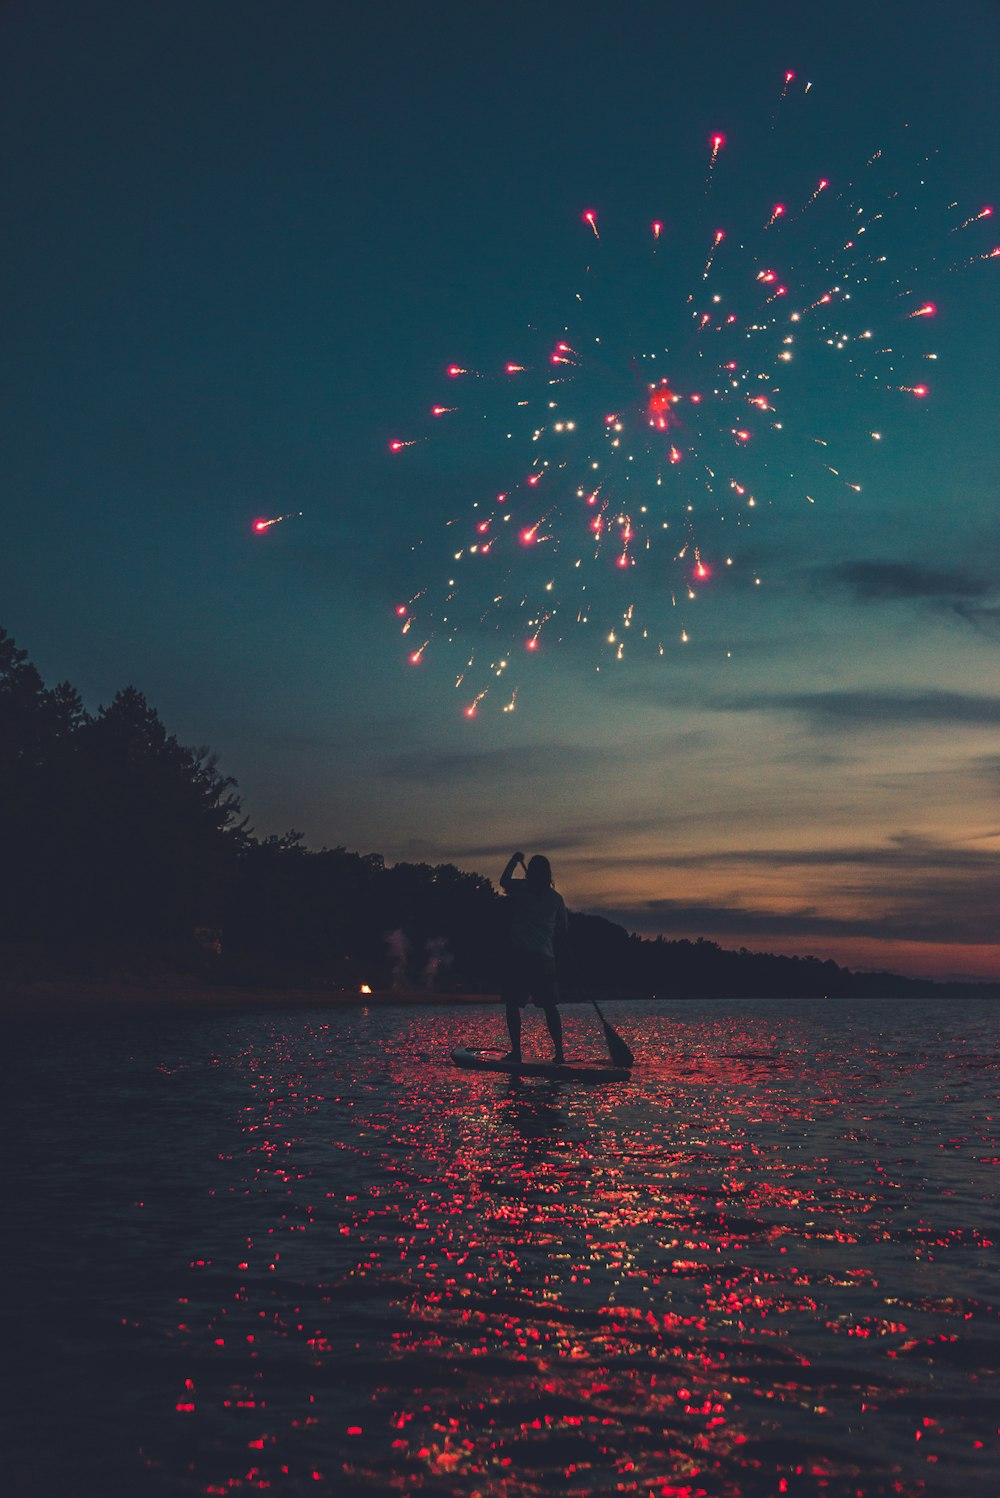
x,y
712,1281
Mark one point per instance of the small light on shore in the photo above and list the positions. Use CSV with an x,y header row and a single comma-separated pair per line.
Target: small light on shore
x,y
365,988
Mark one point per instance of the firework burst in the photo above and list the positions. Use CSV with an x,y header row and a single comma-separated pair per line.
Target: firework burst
x,y
697,387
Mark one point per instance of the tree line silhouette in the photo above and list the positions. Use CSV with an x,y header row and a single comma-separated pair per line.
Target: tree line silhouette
x,y
123,850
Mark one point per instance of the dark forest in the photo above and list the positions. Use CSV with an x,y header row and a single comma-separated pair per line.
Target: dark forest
x,y
125,853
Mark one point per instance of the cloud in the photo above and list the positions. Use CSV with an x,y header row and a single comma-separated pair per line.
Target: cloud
x,y
850,709
920,921
986,619
902,855
875,580
989,767
911,888
962,594
838,709
586,835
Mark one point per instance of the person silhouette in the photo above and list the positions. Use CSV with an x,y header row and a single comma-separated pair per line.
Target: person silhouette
x,y
537,922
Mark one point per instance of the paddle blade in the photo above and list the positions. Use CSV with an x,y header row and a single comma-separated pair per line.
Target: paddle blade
x,y
617,1049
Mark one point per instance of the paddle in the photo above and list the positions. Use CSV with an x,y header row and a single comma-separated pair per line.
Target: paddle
x,y
617,1049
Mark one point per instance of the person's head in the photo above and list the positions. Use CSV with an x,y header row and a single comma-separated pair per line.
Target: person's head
x,y
539,871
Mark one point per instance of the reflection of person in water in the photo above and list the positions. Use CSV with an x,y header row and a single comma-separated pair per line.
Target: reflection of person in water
x,y
537,922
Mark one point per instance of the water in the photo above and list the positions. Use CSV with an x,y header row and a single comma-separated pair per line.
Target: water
x,y
299,1252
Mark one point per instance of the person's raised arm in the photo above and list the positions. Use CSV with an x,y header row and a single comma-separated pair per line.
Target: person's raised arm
x,y
507,877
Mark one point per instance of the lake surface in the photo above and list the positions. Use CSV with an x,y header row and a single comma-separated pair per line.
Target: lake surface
x,y
299,1252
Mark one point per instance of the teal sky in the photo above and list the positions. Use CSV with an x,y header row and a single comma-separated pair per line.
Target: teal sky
x,y
244,242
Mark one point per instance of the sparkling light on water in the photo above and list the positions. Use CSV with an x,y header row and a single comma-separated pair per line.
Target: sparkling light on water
x,y
300,1242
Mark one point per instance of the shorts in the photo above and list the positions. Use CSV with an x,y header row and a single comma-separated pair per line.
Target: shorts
x,y
529,978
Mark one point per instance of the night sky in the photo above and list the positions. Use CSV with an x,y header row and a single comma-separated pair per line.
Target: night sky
x,y
242,244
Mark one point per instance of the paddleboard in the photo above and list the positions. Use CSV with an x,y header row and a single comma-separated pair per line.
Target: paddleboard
x,y
485,1058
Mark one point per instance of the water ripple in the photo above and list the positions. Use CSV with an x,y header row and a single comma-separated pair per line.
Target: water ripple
x,y
301,1253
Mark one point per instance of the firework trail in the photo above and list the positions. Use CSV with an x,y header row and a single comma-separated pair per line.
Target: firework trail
x,y
260,527
718,141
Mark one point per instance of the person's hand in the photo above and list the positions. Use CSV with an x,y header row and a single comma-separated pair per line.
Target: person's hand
x,y
518,857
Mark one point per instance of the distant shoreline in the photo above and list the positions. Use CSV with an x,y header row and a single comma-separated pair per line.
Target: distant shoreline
x,y
43,998
20,998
